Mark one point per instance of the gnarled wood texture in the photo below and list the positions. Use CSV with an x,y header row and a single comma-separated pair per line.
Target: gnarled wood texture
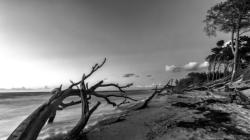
x,y
30,128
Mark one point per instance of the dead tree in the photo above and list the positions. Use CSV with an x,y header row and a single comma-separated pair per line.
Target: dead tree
x,y
156,91
30,128
169,88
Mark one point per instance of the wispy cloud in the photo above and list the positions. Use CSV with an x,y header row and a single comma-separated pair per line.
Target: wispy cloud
x,y
204,64
128,75
173,68
191,66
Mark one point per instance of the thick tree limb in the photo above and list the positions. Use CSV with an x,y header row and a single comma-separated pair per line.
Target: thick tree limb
x,y
64,105
74,133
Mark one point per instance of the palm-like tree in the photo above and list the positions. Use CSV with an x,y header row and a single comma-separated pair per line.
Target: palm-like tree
x,y
227,59
244,51
211,59
222,57
215,58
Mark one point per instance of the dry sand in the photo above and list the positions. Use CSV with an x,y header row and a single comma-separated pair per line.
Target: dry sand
x,y
175,117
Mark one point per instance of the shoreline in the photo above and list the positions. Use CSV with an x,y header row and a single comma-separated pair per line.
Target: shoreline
x,y
174,116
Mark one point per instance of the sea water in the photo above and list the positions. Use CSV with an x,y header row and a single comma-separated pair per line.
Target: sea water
x,y
15,107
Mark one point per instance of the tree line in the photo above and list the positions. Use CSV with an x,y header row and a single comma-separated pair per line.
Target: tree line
x,y
226,58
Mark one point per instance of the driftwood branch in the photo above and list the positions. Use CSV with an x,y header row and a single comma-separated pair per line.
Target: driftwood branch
x,y
64,105
32,125
104,97
86,113
94,69
120,88
107,96
156,91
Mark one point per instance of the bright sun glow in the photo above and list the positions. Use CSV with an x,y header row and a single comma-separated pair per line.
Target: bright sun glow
x,y
16,72
19,71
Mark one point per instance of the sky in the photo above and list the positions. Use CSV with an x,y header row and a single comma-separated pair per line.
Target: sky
x,y
146,42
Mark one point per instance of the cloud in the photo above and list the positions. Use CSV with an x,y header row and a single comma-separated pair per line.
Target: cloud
x,y
191,66
128,75
173,68
204,65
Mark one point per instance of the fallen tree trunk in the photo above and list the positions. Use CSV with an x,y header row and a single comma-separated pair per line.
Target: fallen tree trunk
x,y
30,128
146,102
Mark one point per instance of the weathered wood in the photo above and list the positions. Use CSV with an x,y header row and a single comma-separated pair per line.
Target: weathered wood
x,y
146,102
24,129
30,128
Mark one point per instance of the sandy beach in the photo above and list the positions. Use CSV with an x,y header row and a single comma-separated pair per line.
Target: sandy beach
x,y
174,117
170,116
16,106
125,70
